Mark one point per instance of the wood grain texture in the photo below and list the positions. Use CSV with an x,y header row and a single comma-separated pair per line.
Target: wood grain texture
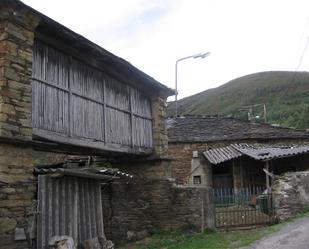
x,y
69,206
81,102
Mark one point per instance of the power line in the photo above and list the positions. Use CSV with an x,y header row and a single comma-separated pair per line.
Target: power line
x,y
302,54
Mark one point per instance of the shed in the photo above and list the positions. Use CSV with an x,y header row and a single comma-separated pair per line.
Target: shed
x,y
61,94
226,152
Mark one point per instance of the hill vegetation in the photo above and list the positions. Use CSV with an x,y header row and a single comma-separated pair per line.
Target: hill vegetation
x,y
285,95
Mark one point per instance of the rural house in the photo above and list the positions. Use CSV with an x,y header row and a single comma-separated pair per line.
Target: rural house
x,y
62,99
221,152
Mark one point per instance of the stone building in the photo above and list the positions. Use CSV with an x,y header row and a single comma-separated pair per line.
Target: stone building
x,y
223,152
62,98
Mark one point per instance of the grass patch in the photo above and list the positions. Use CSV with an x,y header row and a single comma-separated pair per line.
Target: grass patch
x,y
209,239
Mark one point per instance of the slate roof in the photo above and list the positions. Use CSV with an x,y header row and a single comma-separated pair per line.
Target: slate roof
x,y
190,129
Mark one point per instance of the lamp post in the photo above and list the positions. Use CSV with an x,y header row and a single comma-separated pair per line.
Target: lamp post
x,y
195,56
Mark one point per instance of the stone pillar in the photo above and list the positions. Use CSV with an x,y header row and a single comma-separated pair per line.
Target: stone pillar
x,y
16,41
208,172
17,185
159,126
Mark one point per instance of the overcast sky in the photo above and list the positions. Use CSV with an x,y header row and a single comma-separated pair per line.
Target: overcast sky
x,y
243,36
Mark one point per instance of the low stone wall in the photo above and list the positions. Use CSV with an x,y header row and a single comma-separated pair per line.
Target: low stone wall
x,y
291,193
133,210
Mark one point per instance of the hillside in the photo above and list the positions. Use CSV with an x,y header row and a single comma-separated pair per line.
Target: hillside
x,y
285,94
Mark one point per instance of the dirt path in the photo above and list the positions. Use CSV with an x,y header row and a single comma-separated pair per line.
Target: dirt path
x,y
292,236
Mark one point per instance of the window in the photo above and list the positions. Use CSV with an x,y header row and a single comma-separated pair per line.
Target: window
x,y
197,180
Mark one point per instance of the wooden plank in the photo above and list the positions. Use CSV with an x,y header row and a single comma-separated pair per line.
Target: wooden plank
x,y
40,219
131,118
45,213
62,207
56,206
91,211
49,208
97,63
87,211
137,114
77,100
70,207
82,208
75,209
98,209
70,99
60,138
104,110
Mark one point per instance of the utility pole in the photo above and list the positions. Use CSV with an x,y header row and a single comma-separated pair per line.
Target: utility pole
x,y
250,111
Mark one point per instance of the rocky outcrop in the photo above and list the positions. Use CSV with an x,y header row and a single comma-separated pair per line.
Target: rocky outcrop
x,y
291,193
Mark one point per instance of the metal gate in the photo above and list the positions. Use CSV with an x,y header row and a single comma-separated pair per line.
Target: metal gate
x,y
245,208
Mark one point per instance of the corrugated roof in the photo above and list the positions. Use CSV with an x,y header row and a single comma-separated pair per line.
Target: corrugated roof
x,y
220,155
267,152
101,174
261,152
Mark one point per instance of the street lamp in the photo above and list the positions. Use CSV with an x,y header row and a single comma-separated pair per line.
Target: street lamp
x,y
195,56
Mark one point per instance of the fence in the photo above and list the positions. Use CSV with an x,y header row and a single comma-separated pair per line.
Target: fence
x,y
243,207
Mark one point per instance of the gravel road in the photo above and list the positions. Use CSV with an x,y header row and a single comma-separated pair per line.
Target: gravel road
x,y
292,236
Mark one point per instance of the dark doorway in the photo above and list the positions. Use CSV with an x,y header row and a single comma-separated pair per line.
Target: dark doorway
x,y
223,175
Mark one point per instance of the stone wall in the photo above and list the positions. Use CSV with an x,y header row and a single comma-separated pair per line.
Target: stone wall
x,y
17,192
291,193
17,183
16,41
181,156
133,210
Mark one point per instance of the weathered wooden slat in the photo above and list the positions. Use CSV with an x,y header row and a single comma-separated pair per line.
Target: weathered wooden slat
x,y
82,214
92,207
56,210
80,209
79,101
82,142
118,127
63,208
49,220
40,221
98,209
145,116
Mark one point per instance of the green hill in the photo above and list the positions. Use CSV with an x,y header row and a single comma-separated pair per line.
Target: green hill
x,y
285,94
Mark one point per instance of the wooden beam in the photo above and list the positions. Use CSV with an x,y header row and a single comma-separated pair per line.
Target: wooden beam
x,y
267,177
131,117
82,142
269,173
70,103
72,92
104,110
